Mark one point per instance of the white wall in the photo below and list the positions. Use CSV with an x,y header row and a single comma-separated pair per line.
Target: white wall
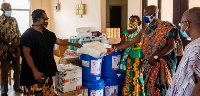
x,y
167,10
65,21
134,8
103,16
154,2
194,3
41,4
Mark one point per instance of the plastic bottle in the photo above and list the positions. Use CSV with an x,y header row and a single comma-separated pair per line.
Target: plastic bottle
x,y
84,40
75,40
71,40
93,38
115,93
102,39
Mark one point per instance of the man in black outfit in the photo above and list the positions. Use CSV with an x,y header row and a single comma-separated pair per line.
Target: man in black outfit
x,y
36,47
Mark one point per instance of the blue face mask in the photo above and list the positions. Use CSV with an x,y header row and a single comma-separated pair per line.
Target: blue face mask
x,y
147,19
184,34
8,13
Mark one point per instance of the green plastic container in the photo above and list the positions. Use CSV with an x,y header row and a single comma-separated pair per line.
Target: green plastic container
x,y
84,40
76,40
73,39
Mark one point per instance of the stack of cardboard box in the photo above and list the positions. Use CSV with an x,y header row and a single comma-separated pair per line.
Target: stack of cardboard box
x,y
113,35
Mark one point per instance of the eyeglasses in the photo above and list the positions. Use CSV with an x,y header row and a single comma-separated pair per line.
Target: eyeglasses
x,y
45,18
179,24
149,14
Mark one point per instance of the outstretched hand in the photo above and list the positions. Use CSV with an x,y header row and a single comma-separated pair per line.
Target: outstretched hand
x,y
77,45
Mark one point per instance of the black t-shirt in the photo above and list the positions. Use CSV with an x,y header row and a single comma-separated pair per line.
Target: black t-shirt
x,y
41,46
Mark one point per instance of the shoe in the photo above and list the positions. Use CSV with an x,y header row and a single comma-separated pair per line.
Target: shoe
x,y
19,90
5,94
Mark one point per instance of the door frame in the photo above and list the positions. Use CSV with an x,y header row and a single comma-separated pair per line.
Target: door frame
x,y
124,13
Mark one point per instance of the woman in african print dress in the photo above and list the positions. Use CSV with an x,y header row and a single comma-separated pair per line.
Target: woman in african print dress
x,y
127,35
129,64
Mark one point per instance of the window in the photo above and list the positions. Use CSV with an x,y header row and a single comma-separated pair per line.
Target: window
x,y
21,11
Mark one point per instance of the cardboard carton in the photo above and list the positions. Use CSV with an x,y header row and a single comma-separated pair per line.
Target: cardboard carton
x,y
82,92
68,78
114,40
70,59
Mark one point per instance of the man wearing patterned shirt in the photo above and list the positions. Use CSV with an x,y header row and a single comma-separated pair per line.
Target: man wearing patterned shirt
x,y
9,42
186,81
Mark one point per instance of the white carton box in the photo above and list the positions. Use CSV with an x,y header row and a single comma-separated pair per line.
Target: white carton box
x,y
68,78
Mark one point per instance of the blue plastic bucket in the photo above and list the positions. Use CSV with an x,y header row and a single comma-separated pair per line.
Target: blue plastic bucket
x,y
91,67
95,88
110,65
111,86
121,83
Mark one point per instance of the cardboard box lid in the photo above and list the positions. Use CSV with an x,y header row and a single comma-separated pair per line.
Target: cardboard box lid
x,y
82,92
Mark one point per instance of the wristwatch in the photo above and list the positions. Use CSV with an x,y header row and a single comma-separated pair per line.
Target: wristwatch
x,y
9,43
155,57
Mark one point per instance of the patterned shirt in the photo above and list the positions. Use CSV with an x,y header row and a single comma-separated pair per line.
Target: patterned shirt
x,y
10,31
184,80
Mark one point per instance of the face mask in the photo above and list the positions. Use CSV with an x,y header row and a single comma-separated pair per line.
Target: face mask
x,y
133,25
147,19
184,34
45,23
8,13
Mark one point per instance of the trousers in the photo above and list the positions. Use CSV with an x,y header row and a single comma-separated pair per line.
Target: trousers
x,y
5,66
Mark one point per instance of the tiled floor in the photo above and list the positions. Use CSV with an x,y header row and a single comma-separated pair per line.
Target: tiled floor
x,y
11,92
